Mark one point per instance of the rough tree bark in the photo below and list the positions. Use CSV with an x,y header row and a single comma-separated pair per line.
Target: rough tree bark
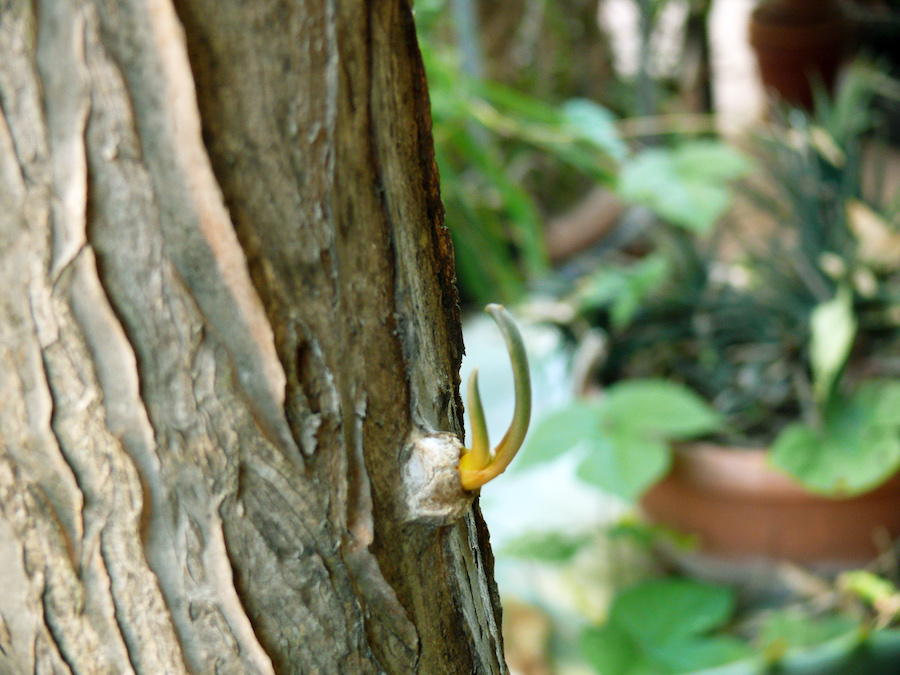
x,y
226,301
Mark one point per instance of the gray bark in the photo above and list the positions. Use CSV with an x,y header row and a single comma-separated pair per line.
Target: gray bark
x,y
226,304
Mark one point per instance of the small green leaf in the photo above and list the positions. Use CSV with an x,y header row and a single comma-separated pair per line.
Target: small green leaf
x,y
870,587
625,465
559,432
596,124
623,289
788,629
832,330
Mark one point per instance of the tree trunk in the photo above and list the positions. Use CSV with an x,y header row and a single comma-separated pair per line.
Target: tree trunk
x,y
226,306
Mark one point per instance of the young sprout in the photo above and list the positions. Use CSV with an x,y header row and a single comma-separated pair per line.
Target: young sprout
x,y
478,465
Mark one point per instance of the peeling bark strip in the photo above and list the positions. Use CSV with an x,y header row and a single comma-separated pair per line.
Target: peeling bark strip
x,y
226,305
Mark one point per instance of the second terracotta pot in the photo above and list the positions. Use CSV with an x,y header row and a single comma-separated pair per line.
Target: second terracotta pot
x,y
798,43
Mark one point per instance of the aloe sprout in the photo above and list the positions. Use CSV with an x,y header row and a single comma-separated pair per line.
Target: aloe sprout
x,y
478,465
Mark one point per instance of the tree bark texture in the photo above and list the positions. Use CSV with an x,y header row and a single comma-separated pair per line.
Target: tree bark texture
x,y
226,301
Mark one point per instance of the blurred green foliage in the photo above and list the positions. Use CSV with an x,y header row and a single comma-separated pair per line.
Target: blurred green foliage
x,y
664,626
673,625
794,341
484,133
687,184
507,159
626,435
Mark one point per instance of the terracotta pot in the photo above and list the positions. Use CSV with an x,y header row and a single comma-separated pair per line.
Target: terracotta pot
x,y
741,508
798,42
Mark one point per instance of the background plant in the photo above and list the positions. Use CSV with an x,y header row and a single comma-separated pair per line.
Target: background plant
x,y
793,345
509,158
661,623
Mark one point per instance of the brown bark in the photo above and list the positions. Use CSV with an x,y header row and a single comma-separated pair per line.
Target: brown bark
x,y
227,302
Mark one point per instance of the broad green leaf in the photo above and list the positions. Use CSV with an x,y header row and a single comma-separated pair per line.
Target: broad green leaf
x,y
690,656
596,124
663,626
687,185
832,330
612,652
837,466
637,419
559,432
657,408
670,611
796,451
852,454
701,207
651,179
624,464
